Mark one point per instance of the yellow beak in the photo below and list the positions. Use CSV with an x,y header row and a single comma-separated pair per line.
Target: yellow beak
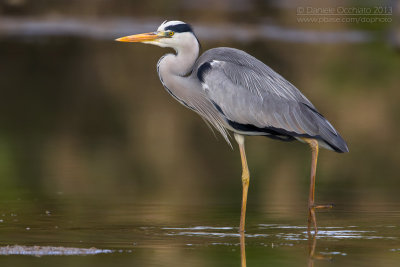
x,y
143,37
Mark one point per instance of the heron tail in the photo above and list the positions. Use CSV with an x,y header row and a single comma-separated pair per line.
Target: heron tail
x,y
330,138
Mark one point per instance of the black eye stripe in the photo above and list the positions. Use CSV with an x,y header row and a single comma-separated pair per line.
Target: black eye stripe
x,y
179,28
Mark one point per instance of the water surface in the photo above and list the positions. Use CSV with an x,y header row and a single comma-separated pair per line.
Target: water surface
x,y
69,230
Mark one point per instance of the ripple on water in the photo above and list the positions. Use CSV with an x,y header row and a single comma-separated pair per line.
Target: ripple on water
x,y
198,228
50,251
286,232
333,253
214,234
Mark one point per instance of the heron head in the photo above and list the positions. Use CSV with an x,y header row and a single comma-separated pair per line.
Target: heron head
x,y
174,34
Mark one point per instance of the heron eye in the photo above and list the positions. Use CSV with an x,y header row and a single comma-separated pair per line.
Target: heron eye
x,y
171,33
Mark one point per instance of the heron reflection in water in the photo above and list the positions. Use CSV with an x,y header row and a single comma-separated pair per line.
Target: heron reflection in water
x,y
311,255
233,91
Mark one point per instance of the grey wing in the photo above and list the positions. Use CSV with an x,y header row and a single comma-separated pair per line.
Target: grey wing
x,y
255,100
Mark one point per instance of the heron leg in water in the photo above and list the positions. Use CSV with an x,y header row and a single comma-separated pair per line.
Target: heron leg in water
x,y
242,250
311,202
245,179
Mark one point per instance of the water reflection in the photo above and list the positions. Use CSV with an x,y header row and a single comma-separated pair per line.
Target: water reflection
x,y
189,236
274,237
312,243
242,249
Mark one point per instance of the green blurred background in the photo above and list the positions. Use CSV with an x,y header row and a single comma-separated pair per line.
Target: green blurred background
x,y
86,117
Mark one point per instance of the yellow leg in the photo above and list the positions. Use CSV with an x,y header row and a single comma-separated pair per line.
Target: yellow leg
x,y
311,201
242,250
245,180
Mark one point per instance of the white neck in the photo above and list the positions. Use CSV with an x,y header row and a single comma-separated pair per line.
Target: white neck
x,y
173,68
181,63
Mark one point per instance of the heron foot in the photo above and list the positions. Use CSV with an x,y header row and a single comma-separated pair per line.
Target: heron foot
x,y
312,220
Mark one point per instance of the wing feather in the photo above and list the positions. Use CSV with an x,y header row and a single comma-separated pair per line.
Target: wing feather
x,y
248,92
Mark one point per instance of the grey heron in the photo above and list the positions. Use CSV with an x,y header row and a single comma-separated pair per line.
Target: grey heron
x,y
233,91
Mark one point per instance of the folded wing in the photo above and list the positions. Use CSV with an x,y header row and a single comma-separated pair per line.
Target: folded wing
x,y
256,100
